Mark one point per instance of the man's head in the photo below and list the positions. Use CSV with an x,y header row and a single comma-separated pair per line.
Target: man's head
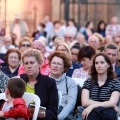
x,y
7,41
94,42
15,88
114,20
112,51
40,45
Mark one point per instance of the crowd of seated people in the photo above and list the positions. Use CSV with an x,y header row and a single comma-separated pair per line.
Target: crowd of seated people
x,y
51,62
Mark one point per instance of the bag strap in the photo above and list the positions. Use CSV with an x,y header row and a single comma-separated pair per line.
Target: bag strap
x,y
66,84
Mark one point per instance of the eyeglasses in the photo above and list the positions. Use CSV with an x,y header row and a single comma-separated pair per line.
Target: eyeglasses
x,y
25,45
68,37
11,58
58,64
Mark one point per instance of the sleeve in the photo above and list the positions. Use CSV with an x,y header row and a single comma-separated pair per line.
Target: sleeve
x,y
116,86
75,73
71,100
17,112
87,84
3,81
51,111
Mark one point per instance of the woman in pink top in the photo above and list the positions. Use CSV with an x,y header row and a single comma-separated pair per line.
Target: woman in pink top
x,y
85,56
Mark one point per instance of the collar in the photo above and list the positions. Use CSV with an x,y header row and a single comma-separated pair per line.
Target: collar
x,y
105,84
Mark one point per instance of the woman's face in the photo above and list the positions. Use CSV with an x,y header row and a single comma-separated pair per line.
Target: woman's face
x,y
57,66
62,48
102,26
13,59
74,54
25,45
101,65
31,65
87,63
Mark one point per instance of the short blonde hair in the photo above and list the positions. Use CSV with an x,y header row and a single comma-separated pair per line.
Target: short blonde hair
x,y
33,53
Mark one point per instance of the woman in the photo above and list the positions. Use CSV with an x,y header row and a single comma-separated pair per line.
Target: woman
x,y
41,85
101,28
65,48
74,52
100,90
89,30
13,58
24,44
85,56
59,64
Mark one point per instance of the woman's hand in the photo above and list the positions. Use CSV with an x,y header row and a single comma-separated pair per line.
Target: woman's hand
x,y
87,111
41,115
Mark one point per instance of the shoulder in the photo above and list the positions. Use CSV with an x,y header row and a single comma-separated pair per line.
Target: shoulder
x,y
75,65
3,76
17,101
70,81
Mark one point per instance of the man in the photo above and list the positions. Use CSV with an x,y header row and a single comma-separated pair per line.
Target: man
x,y
40,45
94,42
113,29
7,44
112,51
19,28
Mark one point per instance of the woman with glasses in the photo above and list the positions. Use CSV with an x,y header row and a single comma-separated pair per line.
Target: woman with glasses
x,y
13,58
43,86
59,64
24,44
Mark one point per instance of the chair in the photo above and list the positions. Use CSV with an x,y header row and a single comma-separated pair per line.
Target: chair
x,y
28,97
79,81
60,98
3,96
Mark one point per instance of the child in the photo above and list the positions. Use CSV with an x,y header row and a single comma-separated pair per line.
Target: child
x,y
15,106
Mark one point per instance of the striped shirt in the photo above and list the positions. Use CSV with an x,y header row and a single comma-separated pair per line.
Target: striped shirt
x,y
102,93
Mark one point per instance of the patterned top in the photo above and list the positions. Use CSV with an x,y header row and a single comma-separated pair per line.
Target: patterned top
x,y
80,73
3,81
113,30
101,93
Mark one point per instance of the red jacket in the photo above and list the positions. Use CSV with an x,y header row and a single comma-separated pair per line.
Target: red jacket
x,y
19,110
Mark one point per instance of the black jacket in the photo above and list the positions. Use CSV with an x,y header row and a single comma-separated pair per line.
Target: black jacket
x,y
47,91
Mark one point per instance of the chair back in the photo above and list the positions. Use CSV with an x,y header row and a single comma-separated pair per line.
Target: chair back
x,y
28,97
3,96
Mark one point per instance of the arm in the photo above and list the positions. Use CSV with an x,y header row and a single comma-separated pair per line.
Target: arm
x,y
17,112
51,111
71,100
93,104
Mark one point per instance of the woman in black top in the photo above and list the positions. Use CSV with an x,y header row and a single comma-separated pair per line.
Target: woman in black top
x,y
101,89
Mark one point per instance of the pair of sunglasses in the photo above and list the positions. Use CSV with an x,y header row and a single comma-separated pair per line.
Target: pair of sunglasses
x,y
25,45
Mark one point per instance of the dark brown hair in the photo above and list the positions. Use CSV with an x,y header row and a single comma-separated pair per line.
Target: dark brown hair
x,y
110,73
11,50
63,56
16,87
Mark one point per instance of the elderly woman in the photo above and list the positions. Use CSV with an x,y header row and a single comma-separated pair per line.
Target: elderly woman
x,y
101,92
65,48
59,64
43,86
25,43
13,58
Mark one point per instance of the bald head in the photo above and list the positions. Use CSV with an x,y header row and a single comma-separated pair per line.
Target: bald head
x,y
40,45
